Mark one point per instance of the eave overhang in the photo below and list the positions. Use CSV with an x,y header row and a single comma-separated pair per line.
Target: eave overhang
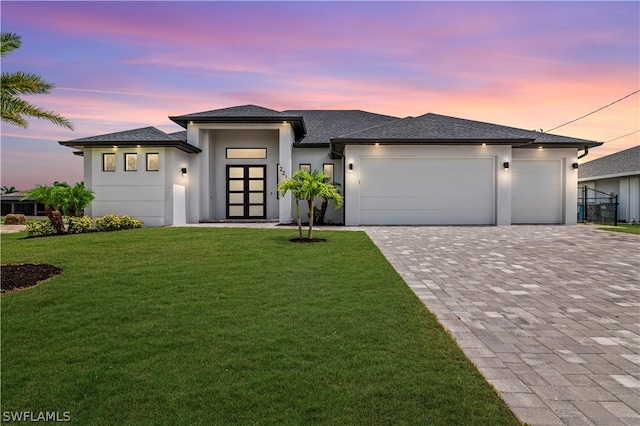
x,y
181,145
297,122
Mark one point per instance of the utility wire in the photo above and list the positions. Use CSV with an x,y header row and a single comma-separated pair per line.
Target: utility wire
x,y
623,136
593,112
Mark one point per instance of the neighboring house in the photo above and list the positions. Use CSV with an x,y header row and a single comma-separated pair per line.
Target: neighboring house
x,y
12,204
430,169
616,174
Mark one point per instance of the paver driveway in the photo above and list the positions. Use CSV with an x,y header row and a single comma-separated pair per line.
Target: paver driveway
x,y
549,314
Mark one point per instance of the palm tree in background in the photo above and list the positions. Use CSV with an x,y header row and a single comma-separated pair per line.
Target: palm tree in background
x,y
14,84
8,189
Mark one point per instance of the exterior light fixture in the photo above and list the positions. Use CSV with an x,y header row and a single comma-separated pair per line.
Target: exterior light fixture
x,y
484,144
184,171
540,147
350,167
575,166
377,144
505,165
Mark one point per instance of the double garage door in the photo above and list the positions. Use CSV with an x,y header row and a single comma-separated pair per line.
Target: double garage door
x,y
427,191
456,191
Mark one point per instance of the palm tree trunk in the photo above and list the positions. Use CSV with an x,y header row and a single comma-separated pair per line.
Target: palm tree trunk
x,y
310,236
56,219
299,219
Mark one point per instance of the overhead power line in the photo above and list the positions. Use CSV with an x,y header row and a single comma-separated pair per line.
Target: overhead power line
x,y
623,136
592,112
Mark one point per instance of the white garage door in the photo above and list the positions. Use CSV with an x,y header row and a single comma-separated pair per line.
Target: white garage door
x,y
427,191
536,191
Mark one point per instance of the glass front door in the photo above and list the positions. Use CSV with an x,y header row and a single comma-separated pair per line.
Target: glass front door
x,y
246,192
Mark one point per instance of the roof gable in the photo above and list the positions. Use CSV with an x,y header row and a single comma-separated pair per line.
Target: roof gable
x,y
625,162
323,125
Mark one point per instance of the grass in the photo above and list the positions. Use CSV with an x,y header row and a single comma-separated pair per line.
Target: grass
x,y
626,228
230,327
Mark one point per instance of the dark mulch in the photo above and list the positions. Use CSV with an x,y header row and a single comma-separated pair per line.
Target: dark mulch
x,y
308,240
17,277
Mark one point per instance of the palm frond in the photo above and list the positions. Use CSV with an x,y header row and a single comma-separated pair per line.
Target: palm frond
x,y
9,42
12,109
23,83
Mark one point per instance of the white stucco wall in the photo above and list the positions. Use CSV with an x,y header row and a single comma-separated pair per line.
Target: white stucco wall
x,y
140,194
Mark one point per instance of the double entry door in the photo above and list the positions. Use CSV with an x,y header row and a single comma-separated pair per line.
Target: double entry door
x,y
246,192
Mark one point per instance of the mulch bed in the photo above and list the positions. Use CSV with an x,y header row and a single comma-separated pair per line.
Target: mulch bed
x,y
17,277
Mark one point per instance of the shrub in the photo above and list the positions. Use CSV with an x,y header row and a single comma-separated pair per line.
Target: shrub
x,y
79,225
40,229
111,222
15,219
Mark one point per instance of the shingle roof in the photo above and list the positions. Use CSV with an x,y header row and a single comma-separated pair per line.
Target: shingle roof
x,y
621,163
323,125
243,114
433,127
145,136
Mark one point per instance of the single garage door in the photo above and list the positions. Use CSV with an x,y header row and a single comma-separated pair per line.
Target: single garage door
x,y
536,191
427,191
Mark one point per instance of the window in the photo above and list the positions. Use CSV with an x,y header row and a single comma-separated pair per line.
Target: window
x,y
327,168
130,162
305,167
244,153
153,162
109,162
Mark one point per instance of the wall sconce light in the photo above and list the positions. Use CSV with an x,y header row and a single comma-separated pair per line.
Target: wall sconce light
x,y
350,166
575,166
184,171
505,165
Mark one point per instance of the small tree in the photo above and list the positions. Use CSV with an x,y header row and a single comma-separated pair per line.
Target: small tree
x,y
8,189
307,186
52,198
294,184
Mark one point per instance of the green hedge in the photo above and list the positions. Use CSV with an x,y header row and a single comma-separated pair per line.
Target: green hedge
x,y
79,225
112,222
40,229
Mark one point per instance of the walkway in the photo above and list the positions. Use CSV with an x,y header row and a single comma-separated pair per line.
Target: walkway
x,y
550,315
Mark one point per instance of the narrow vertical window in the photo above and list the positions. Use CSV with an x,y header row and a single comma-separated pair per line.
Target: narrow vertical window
x,y
153,162
327,168
109,162
130,162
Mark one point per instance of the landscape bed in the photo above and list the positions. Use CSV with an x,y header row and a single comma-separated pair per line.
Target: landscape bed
x,y
229,326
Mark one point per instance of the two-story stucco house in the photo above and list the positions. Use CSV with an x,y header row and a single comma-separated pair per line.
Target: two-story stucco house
x,y
424,170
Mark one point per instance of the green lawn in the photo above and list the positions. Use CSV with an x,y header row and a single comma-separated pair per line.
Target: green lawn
x,y
230,326
626,228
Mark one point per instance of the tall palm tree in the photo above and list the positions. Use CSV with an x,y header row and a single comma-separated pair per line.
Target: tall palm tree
x,y
13,84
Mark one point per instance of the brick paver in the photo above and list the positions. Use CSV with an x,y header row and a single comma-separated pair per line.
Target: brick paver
x,y
550,315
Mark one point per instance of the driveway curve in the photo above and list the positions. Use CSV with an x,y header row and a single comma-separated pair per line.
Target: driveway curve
x,y
550,315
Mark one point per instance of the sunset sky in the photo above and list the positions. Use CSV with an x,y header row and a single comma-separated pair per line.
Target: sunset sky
x,y
124,65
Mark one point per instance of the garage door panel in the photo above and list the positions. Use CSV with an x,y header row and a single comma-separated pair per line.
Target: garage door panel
x,y
536,191
417,191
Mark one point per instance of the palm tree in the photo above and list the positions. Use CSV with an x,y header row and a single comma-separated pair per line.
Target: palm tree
x,y
52,198
315,185
307,186
295,185
76,198
8,189
13,84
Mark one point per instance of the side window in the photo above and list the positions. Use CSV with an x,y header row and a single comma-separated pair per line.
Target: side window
x,y
130,162
153,162
327,168
305,167
109,162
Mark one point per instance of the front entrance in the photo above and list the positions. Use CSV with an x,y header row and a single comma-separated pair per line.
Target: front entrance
x,y
246,192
